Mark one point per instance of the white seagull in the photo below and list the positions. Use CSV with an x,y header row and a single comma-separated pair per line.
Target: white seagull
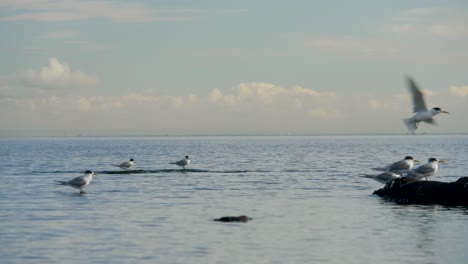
x,y
125,165
383,177
79,182
401,165
422,114
184,162
425,170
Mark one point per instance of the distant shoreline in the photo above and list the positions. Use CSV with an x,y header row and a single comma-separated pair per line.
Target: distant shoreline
x,y
112,134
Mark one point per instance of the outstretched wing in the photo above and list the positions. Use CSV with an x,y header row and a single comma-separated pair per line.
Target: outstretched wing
x,y
418,97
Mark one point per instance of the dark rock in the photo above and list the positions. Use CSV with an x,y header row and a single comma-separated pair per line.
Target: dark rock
x,y
240,218
410,191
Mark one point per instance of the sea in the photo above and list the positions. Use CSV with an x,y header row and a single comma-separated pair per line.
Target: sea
x,y
303,193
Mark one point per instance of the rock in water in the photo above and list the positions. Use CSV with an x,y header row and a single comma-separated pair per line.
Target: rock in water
x,y
409,191
240,218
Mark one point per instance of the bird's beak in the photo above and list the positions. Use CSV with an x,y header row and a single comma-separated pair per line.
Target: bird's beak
x,y
445,112
416,161
441,161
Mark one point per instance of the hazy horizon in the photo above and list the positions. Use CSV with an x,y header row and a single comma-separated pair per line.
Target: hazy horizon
x,y
244,67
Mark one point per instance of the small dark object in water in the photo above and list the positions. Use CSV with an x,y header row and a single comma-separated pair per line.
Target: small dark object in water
x,y
409,191
240,218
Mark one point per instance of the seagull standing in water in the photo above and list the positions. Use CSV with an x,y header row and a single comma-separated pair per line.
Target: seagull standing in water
x,y
125,165
425,170
79,182
401,165
422,114
184,162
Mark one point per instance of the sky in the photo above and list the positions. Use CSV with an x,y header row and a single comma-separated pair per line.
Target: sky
x,y
214,67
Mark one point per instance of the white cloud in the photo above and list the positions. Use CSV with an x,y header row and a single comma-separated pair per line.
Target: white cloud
x,y
65,34
264,93
324,113
459,91
435,21
83,104
393,103
119,11
58,74
352,45
215,95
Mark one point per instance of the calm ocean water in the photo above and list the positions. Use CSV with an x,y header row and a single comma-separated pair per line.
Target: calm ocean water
x,y
307,203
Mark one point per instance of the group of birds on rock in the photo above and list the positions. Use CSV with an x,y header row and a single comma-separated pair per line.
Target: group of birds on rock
x,y
404,168
84,180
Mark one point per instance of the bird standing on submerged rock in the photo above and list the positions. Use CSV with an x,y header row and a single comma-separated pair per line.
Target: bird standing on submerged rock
x,y
425,170
184,162
422,114
79,182
401,165
125,165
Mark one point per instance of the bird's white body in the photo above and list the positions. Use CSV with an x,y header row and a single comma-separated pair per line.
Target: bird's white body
x,y
79,182
125,165
422,114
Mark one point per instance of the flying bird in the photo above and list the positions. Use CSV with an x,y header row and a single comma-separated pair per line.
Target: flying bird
x,y
383,177
125,165
79,182
422,114
401,165
184,162
425,170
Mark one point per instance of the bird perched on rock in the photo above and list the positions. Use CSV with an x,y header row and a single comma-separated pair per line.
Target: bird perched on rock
x,y
425,170
401,165
79,182
422,114
184,162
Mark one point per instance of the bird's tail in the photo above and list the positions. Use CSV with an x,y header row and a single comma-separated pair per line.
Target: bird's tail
x,y
115,165
379,169
369,176
60,182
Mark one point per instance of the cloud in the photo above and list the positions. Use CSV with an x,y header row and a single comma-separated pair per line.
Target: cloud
x,y
264,93
118,11
351,45
66,34
393,103
70,10
459,91
324,113
435,21
83,104
58,74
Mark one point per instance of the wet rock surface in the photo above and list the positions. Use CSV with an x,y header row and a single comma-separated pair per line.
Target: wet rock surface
x,y
240,218
409,191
